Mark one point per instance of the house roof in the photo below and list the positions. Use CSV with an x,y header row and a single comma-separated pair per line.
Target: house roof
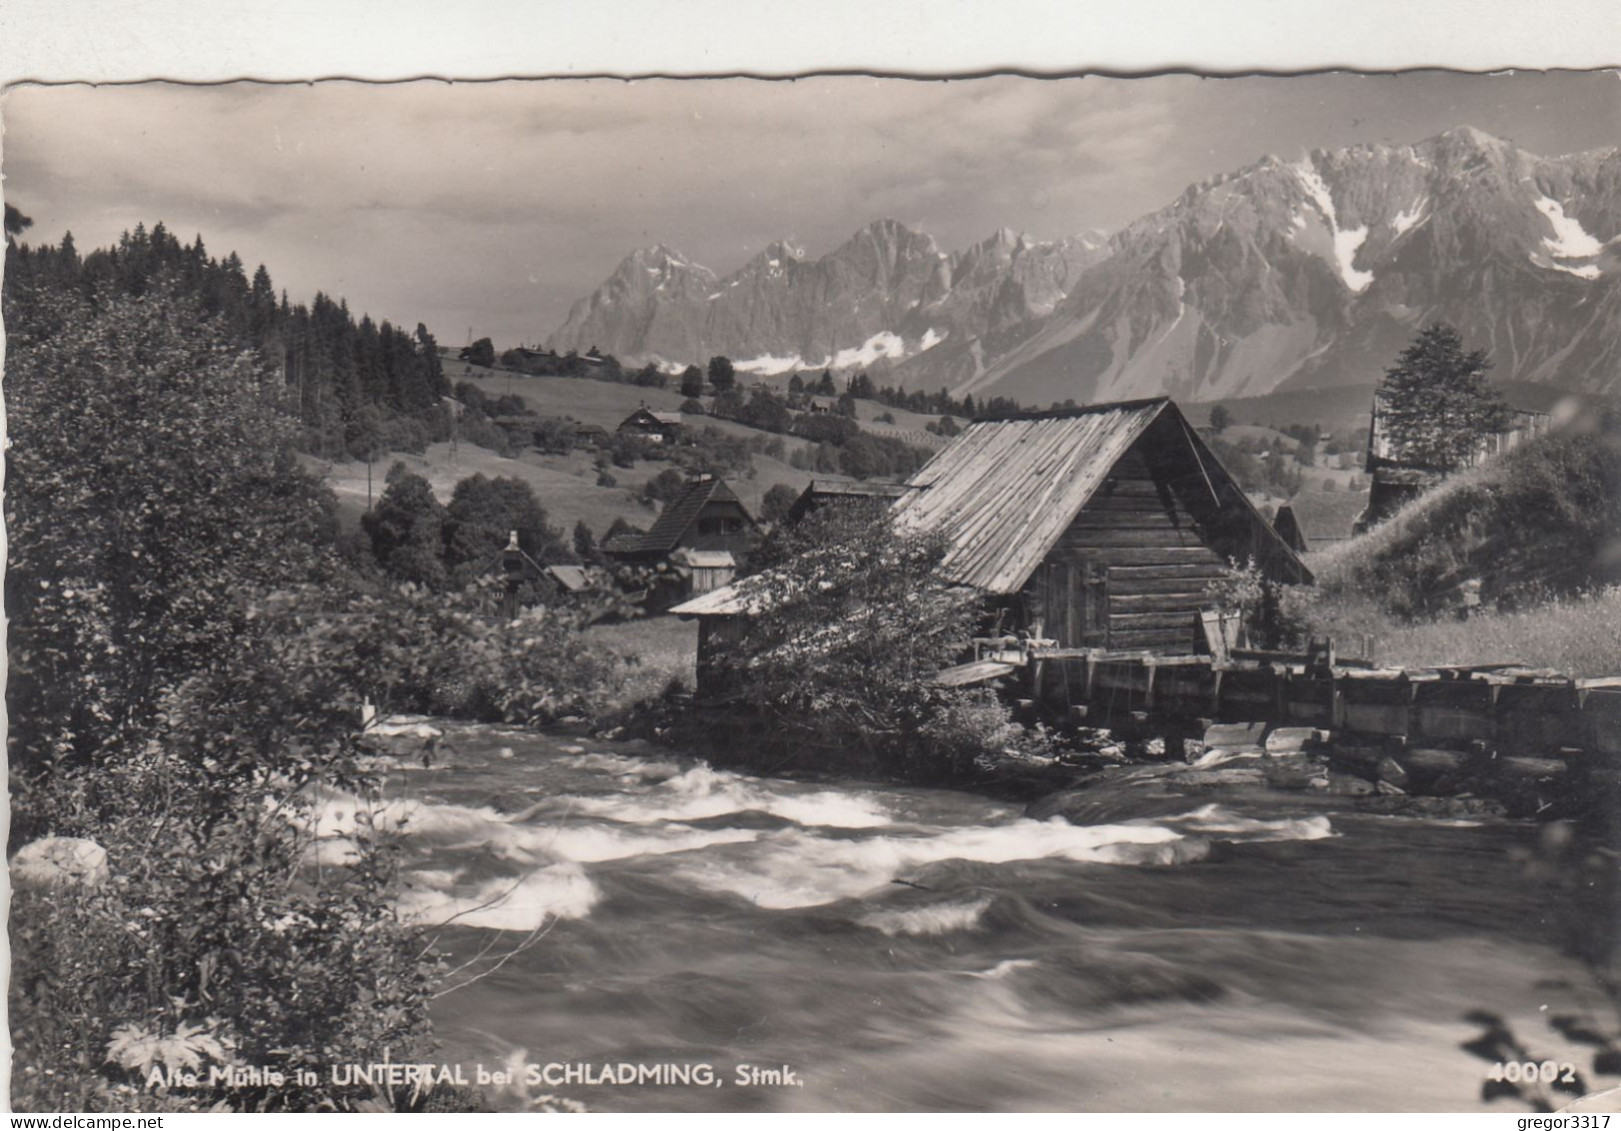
x,y
646,415
1327,516
681,512
571,577
1004,491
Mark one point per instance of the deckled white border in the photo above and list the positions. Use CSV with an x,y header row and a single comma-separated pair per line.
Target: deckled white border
x,y
215,40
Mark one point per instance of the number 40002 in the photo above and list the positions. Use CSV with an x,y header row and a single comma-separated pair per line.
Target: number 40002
x,y
1528,1072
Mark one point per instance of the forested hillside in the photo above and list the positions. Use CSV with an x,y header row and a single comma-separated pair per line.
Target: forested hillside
x,y
354,385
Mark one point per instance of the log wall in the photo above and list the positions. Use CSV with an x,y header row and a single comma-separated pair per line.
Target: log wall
x,y
1130,572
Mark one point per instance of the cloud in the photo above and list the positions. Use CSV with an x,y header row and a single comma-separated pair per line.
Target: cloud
x,y
441,202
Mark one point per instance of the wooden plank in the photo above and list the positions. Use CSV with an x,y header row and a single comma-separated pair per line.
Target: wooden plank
x,y
1156,556
1125,504
1163,536
1124,520
1145,587
1157,602
965,675
1150,639
1124,488
1180,618
1181,571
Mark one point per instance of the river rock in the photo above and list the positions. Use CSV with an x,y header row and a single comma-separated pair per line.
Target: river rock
x,y
60,860
1295,773
1391,772
1291,740
1348,785
1235,734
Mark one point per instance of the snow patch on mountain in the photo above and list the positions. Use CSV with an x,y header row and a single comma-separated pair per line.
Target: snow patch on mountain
x,y
932,338
1406,221
768,366
1345,244
882,344
1569,240
1347,241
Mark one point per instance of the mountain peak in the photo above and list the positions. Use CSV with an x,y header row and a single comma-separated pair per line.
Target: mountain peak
x,y
657,255
1469,135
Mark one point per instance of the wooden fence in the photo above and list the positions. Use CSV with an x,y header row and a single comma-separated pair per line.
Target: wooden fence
x,y
1500,710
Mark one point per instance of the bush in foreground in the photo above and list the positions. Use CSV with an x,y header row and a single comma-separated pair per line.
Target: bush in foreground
x,y
852,621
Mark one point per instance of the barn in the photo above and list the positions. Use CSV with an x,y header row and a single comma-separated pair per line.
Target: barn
x,y
1096,528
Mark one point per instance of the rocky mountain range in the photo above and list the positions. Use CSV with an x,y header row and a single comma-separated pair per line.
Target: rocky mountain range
x,y
1283,275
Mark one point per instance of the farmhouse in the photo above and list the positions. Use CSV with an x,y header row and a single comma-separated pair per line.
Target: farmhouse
x,y
706,516
659,427
1095,528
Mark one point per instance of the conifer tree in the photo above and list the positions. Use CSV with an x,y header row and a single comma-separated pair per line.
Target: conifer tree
x,y
1436,404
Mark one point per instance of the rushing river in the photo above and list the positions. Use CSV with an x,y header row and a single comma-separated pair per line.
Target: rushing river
x,y
902,948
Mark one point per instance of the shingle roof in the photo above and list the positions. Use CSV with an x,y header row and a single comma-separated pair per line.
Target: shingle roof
x,y
669,419
1005,490
679,514
1325,516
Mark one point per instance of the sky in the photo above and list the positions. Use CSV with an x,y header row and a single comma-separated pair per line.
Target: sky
x,y
486,209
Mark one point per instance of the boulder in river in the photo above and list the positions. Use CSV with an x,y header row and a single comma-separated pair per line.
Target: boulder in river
x,y
59,860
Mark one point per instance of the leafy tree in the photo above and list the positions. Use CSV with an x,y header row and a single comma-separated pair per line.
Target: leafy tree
x,y
1220,418
852,622
722,377
664,487
692,382
767,411
692,406
555,436
777,503
826,427
481,352
1436,404
619,526
162,689
407,531
150,487
728,404
480,518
